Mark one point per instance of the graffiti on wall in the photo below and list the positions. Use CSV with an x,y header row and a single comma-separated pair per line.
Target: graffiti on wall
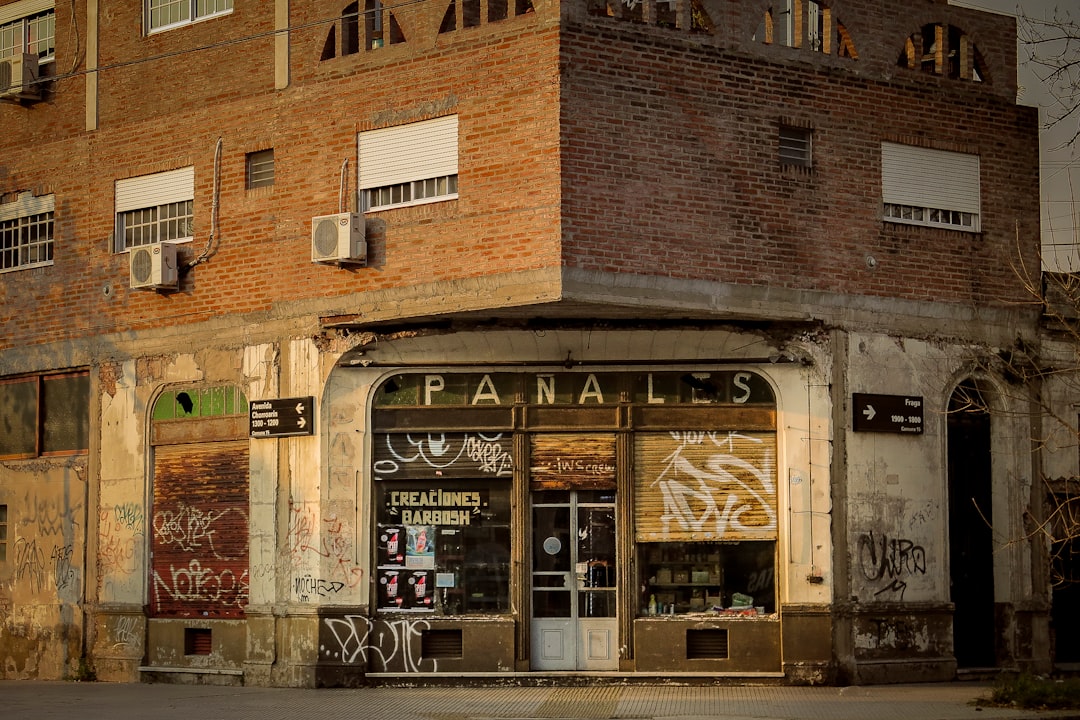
x,y
189,528
416,456
29,564
329,541
193,583
887,561
378,645
711,484
121,532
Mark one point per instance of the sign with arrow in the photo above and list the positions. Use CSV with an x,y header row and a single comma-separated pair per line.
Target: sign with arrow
x,y
887,413
283,417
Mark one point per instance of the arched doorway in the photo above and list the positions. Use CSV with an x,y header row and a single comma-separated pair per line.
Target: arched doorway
x,y
971,551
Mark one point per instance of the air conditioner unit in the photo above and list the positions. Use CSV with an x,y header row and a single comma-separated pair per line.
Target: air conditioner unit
x,y
18,74
338,239
154,267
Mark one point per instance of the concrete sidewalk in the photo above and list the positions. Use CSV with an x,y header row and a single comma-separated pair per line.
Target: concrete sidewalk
x,y
21,700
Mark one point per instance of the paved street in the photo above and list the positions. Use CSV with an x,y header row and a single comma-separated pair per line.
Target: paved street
x,y
101,701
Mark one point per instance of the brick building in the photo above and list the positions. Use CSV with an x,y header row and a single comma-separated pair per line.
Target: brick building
x,y
504,338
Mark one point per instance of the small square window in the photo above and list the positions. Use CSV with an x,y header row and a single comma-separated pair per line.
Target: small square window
x,y
260,169
795,147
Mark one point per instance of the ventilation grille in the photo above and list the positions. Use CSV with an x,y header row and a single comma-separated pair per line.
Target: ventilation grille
x,y
709,644
440,644
198,641
5,75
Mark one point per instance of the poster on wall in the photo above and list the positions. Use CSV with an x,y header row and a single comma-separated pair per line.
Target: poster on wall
x,y
420,549
392,543
406,590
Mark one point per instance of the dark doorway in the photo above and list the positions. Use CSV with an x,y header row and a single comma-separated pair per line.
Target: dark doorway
x,y
1064,508
971,548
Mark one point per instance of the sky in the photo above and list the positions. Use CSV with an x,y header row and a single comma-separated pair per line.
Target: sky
x,y
1059,164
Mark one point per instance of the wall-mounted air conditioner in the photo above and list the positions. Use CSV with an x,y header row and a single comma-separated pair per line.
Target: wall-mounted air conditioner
x,y
154,267
18,74
338,239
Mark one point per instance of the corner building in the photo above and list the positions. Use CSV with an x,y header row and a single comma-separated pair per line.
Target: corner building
x,y
514,339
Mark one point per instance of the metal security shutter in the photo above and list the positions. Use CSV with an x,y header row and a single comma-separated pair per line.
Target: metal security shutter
x,y
704,486
420,150
200,530
927,178
26,8
157,189
561,461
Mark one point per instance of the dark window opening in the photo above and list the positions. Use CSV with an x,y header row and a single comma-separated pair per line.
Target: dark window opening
x,y
441,644
45,415
449,21
470,13
350,29
795,147
198,641
260,169
707,644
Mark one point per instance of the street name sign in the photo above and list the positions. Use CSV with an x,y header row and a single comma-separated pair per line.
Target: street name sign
x,y
887,413
283,417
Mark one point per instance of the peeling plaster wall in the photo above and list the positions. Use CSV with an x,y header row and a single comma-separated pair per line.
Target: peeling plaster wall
x,y
41,584
897,510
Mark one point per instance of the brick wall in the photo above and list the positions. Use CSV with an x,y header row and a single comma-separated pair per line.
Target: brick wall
x,y
668,159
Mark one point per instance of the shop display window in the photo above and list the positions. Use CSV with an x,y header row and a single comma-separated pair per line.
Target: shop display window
x,y
443,547
718,578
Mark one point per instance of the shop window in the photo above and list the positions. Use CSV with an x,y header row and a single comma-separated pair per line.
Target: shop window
x,y
705,520
731,578
45,415
443,546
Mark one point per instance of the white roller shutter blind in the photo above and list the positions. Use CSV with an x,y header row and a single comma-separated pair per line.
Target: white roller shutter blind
x,y
157,189
927,178
26,8
27,205
417,151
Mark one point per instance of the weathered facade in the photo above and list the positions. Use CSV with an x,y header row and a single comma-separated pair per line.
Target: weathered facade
x,y
637,343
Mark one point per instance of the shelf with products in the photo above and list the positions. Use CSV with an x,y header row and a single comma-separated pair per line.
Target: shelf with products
x,y
696,577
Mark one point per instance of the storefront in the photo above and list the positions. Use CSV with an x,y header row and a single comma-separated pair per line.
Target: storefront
x,y
579,520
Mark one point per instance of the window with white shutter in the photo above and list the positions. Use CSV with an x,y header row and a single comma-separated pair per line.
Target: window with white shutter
x,y
922,186
408,164
155,208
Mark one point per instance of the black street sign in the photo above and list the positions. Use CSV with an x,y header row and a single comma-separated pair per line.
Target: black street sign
x,y
282,417
887,413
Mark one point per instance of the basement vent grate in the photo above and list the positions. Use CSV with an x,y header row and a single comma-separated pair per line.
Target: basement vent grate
x,y
198,641
440,644
709,644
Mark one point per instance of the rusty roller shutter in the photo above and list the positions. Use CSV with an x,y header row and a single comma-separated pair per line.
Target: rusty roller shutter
x,y
200,530
560,461
705,486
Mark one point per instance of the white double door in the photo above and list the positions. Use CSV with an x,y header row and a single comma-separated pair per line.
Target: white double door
x,y
574,620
